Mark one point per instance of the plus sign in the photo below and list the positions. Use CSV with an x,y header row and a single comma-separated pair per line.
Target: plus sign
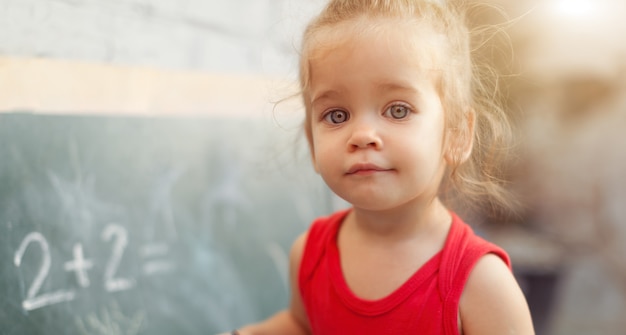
x,y
79,265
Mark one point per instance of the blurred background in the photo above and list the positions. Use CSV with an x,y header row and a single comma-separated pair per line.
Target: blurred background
x,y
565,88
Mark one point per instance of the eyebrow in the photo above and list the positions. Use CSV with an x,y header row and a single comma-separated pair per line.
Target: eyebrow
x,y
395,86
382,87
327,94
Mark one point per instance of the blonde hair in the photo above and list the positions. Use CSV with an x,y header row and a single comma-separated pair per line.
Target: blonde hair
x,y
464,87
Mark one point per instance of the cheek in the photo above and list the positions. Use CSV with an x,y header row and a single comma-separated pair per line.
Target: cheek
x,y
327,158
321,155
425,150
319,152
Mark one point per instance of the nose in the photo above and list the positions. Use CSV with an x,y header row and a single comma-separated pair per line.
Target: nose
x,y
364,135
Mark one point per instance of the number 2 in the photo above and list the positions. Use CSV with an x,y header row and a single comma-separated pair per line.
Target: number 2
x,y
34,301
111,283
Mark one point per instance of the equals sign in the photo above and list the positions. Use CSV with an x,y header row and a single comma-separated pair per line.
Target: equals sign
x,y
155,264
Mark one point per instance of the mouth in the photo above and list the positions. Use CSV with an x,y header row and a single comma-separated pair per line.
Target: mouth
x,y
365,169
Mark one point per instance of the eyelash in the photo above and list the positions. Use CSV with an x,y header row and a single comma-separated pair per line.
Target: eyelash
x,y
406,109
329,116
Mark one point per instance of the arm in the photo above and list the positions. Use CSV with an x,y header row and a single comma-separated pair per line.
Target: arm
x,y
492,302
293,320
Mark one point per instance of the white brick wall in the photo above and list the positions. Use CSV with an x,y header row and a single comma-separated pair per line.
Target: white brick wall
x,y
233,36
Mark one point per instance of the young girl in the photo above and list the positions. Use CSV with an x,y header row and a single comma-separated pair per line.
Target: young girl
x,y
392,114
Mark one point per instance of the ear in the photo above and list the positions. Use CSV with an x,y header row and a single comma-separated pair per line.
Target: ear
x,y
461,140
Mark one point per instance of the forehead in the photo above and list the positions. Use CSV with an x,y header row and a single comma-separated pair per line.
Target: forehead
x,y
414,38
380,57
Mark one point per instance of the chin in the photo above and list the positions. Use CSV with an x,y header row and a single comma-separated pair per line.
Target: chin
x,y
371,203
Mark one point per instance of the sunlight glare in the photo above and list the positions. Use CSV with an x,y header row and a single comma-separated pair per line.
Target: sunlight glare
x,y
574,9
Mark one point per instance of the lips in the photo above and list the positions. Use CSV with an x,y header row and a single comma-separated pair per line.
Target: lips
x,y
365,168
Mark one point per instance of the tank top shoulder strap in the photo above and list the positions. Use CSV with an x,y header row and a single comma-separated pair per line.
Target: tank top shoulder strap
x,y
461,253
320,233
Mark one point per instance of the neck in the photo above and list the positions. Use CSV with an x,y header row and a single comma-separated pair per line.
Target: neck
x,y
405,222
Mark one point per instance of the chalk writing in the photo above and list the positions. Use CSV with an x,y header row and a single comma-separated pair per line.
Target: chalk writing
x,y
111,321
120,236
34,301
79,265
159,265
114,233
161,200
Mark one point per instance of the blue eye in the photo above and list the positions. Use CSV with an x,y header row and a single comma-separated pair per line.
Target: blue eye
x,y
398,112
336,116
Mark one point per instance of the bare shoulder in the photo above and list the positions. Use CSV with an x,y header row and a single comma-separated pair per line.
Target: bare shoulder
x,y
297,248
492,301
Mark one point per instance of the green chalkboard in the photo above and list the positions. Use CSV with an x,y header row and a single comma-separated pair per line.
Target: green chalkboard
x,y
130,225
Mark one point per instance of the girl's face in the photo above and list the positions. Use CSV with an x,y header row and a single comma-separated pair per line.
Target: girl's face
x,y
377,123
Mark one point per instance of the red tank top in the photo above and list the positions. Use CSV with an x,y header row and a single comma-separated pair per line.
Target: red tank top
x,y
426,304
